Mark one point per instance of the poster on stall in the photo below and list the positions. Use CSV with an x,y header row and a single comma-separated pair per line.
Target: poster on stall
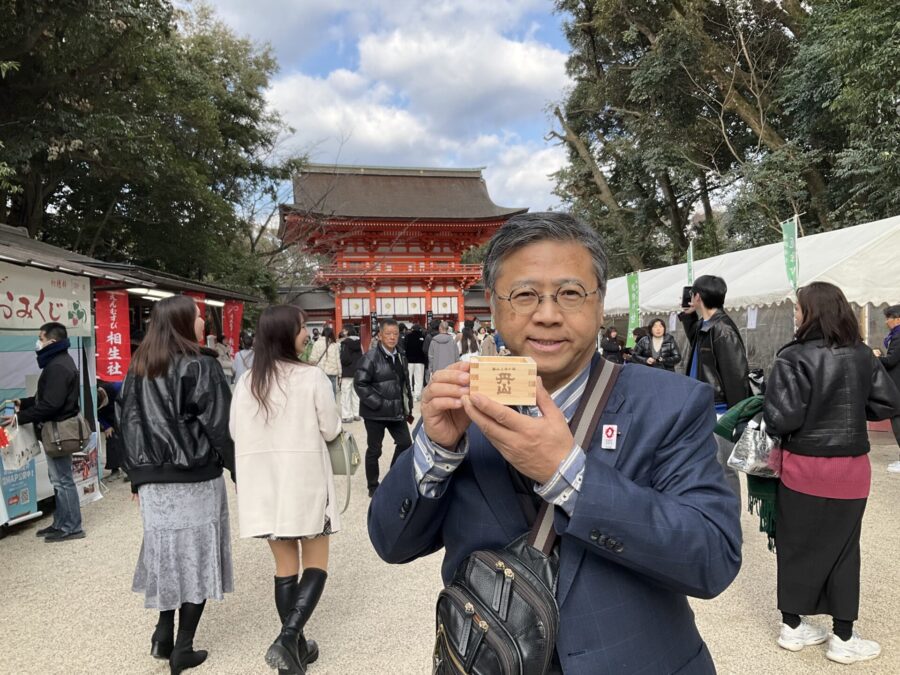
x,y
113,335
232,314
86,471
19,490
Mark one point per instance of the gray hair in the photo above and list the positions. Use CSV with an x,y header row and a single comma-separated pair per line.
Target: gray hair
x,y
529,228
443,326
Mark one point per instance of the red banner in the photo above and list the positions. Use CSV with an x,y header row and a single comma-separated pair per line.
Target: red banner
x,y
113,335
232,314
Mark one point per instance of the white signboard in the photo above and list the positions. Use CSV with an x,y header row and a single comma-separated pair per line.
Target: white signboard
x,y
752,315
31,297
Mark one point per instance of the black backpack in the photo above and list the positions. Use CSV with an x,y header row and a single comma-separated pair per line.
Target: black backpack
x,y
499,614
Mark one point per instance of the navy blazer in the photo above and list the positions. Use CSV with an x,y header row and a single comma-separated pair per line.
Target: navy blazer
x,y
654,522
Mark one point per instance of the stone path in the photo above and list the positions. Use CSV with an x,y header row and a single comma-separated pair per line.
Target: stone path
x,y
68,608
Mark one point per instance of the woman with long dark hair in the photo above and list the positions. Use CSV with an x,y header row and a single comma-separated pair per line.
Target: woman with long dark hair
x,y
468,344
823,387
658,349
326,354
283,414
173,416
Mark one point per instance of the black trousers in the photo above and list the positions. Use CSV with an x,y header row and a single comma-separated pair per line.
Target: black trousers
x,y
399,431
895,425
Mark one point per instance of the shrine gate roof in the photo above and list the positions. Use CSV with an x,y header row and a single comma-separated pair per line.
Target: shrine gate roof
x,y
341,191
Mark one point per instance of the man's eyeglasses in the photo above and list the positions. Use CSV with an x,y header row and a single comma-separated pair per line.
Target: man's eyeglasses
x,y
569,297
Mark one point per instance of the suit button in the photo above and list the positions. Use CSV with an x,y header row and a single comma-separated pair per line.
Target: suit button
x,y
407,503
619,548
602,541
611,543
595,535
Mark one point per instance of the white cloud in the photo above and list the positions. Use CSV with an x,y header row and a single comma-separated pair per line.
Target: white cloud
x,y
466,82
438,83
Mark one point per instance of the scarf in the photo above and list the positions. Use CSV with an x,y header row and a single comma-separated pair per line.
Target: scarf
x,y
761,494
895,333
47,353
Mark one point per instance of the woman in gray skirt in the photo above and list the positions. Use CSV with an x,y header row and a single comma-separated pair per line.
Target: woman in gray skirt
x,y
173,414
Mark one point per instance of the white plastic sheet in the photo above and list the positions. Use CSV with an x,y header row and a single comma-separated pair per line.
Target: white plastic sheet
x,y
861,260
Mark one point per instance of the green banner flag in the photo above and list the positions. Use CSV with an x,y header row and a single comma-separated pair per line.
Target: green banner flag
x,y
791,260
634,307
690,263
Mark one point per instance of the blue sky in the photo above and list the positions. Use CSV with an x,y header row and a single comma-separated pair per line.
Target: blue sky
x,y
418,83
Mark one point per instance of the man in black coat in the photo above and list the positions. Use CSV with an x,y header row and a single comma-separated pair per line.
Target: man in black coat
x,y
717,355
890,359
56,400
417,358
385,399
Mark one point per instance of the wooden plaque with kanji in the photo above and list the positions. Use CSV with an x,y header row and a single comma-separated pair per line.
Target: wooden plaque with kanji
x,y
510,380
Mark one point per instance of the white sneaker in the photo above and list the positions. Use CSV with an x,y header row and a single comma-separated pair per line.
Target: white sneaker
x,y
795,639
894,467
853,650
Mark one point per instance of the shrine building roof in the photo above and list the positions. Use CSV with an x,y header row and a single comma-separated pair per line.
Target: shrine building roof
x,y
395,193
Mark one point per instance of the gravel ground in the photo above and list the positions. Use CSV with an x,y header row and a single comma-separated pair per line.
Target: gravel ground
x,y
68,608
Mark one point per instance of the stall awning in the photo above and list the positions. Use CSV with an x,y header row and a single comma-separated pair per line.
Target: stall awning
x,y
16,248
861,260
172,282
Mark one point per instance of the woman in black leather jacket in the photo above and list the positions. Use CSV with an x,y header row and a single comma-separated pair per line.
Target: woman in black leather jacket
x,y
823,387
173,413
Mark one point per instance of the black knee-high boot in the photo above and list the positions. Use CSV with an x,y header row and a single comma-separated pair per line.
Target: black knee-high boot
x,y
183,654
163,639
290,651
285,597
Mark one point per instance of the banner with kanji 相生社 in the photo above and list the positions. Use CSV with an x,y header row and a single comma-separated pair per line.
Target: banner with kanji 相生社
x,y
113,335
232,314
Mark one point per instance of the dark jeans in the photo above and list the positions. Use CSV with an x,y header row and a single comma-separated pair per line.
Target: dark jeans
x,y
67,516
375,429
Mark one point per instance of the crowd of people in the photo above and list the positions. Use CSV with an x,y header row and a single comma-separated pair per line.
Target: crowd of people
x,y
645,513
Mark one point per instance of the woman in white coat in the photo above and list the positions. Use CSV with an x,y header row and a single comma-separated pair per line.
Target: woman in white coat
x,y
282,414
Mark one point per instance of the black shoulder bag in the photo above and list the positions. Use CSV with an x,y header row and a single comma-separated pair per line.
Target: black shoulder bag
x,y
499,614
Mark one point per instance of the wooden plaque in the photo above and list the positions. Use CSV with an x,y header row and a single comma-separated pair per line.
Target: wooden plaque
x,y
510,380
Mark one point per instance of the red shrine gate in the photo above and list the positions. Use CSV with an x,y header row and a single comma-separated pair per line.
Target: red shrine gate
x,y
395,237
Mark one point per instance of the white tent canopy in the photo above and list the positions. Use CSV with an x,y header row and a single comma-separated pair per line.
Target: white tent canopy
x,y
861,260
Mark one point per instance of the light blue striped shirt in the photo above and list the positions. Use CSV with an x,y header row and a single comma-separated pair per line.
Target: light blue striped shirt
x,y
434,464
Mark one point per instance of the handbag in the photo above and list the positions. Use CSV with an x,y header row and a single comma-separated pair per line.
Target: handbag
x,y
65,437
756,453
21,448
345,459
499,614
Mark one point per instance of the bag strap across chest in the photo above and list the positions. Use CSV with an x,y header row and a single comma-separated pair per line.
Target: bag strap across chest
x,y
582,425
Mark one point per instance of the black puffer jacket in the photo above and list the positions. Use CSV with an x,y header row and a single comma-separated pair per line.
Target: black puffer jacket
x,y
669,356
890,359
351,355
818,398
175,428
382,384
723,358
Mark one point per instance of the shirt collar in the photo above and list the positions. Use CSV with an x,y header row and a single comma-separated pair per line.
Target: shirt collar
x,y
384,349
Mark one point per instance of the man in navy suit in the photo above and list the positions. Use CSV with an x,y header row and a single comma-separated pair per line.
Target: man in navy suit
x,y
644,517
